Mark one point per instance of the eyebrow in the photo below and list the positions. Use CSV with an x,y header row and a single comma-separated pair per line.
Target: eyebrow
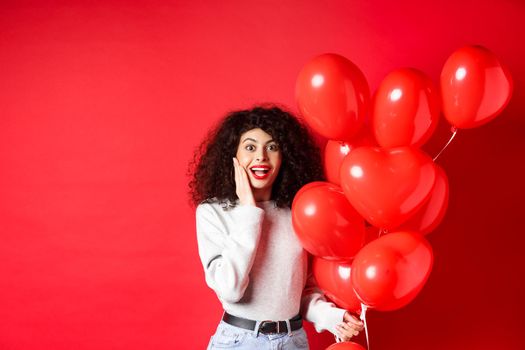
x,y
254,140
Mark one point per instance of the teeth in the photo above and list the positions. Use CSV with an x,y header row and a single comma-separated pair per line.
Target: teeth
x,y
260,169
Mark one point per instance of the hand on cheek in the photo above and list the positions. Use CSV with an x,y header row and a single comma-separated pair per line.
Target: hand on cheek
x,y
243,188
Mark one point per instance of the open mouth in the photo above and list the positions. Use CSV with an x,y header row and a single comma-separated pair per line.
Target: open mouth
x,y
260,171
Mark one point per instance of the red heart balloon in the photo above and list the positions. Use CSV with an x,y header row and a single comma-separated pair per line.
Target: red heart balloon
x,y
326,223
387,186
390,271
372,233
347,345
332,94
406,109
475,87
336,151
334,279
427,218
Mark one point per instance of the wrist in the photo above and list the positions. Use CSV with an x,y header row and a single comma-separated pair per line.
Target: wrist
x,y
247,201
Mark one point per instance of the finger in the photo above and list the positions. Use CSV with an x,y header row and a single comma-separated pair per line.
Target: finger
x,y
239,171
345,329
243,186
247,188
236,170
357,327
341,333
352,327
344,334
244,175
239,183
241,174
344,338
352,319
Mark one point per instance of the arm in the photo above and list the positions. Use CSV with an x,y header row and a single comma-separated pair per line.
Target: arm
x,y
314,308
227,254
325,315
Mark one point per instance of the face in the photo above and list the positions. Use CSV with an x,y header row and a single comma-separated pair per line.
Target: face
x,y
261,157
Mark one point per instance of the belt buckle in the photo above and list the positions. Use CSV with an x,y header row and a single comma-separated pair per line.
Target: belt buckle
x,y
270,321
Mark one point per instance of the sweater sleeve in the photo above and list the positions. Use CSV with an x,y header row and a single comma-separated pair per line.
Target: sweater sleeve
x,y
314,308
227,252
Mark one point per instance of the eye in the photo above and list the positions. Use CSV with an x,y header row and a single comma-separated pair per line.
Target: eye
x,y
249,148
273,147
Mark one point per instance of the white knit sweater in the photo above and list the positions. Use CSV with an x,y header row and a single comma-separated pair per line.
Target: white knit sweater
x,y
254,262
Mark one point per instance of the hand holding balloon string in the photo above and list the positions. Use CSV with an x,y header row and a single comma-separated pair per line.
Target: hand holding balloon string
x,y
349,328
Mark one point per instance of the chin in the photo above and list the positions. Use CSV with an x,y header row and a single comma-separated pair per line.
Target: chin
x,y
260,187
257,185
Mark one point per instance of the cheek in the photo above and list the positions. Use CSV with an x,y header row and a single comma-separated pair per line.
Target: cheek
x,y
243,159
277,162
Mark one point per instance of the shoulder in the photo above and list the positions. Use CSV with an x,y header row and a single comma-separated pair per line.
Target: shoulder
x,y
226,210
218,203
223,218
207,207
216,207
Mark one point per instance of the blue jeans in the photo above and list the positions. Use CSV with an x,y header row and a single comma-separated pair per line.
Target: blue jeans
x,y
231,337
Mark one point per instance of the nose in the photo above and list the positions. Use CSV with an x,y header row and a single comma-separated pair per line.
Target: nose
x,y
261,155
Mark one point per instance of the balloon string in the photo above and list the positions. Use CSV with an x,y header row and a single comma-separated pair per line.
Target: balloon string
x,y
454,130
363,318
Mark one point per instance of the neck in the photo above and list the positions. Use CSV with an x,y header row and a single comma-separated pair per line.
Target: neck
x,y
261,195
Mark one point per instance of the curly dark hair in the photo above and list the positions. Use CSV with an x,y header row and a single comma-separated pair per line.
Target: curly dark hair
x,y
211,169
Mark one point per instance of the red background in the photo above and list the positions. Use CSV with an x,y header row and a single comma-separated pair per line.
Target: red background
x,y
103,102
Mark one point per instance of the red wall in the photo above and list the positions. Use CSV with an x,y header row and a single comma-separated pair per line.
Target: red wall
x,y
102,103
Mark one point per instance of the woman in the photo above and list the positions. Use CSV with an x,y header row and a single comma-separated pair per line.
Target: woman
x,y
245,176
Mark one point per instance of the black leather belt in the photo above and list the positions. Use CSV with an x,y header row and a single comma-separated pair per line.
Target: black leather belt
x,y
265,327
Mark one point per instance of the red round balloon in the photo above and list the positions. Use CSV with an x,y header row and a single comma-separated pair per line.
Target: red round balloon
x,y
475,87
336,151
431,214
326,223
406,109
347,345
332,94
334,279
387,186
389,272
